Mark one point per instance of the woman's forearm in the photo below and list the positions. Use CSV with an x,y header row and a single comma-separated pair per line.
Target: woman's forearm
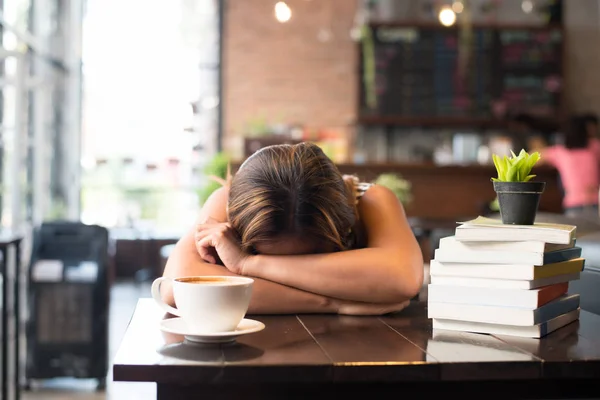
x,y
372,275
267,297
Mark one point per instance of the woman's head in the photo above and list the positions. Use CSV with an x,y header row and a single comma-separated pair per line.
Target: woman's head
x,y
291,199
576,135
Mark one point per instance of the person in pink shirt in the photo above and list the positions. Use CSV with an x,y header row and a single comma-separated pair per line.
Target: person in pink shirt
x,y
578,164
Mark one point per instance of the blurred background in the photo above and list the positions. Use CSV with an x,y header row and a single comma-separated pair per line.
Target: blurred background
x,y
115,112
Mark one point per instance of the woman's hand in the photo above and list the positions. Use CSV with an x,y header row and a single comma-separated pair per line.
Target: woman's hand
x,y
358,308
217,243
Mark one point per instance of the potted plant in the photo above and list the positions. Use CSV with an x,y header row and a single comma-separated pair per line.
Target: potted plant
x,y
518,196
398,185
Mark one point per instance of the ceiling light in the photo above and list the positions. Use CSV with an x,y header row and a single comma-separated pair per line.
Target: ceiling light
x,y
447,17
458,7
527,6
283,12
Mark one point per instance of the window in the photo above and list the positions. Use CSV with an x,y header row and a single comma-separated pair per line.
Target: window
x,y
150,101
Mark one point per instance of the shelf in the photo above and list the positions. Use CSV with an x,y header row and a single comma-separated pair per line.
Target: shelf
x,y
475,25
406,85
432,122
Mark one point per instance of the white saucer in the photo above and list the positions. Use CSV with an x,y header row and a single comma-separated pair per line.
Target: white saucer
x,y
178,327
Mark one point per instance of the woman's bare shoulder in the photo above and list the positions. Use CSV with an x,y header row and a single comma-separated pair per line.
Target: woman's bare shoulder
x,y
379,194
379,199
215,207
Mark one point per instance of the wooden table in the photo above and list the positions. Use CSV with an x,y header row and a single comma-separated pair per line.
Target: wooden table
x,y
307,355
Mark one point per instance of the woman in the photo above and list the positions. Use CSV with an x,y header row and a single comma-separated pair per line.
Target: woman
x,y
313,240
578,164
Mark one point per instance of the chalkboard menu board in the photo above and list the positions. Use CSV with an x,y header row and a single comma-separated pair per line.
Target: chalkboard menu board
x,y
417,72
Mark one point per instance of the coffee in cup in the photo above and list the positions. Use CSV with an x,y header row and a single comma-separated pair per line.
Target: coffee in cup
x,y
207,304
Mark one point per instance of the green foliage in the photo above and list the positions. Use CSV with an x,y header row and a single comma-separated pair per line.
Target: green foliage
x,y
216,168
515,168
257,127
494,205
399,186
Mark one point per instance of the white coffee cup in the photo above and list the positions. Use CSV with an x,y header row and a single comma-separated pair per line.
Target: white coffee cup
x,y
207,304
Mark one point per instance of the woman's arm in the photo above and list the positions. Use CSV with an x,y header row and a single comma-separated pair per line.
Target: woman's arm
x,y
390,269
267,297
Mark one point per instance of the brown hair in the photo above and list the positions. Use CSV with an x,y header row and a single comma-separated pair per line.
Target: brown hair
x,y
291,190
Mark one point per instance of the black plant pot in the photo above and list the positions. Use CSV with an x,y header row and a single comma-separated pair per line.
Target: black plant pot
x,y
519,201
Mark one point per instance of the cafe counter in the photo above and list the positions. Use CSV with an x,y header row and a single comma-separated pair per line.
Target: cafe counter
x,y
452,192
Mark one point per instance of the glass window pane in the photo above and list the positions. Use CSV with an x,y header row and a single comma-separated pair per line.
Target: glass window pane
x,y
150,107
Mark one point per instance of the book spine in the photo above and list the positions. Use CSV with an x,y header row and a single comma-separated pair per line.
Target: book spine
x,y
552,257
551,292
554,247
554,309
555,323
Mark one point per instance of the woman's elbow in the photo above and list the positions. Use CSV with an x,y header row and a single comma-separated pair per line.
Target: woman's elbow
x,y
409,279
415,282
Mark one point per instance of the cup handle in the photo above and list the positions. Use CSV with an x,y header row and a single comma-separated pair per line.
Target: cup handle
x,y
158,298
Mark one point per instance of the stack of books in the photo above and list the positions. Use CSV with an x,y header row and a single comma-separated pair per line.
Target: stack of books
x,y
505,279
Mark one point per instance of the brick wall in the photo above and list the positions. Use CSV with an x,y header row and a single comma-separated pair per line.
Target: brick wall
x,y
286,71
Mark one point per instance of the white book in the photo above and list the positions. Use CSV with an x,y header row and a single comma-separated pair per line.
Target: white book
x,y
527,299
503,283
503,315
493,230
534,331
505,271
491,257
530,246
467,255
